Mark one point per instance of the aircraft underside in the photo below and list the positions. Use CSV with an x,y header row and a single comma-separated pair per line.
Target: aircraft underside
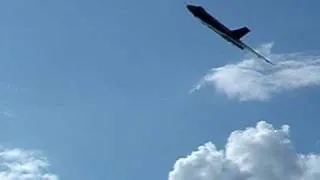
x,y
228,38
239,44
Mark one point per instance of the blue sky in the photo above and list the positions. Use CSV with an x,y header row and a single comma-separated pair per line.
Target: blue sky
x,y
102,87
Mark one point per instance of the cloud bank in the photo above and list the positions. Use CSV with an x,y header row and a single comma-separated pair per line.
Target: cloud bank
x,y
253,79
256,153
18,164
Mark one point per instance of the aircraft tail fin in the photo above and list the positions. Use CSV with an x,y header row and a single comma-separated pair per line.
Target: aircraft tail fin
x,y
239,33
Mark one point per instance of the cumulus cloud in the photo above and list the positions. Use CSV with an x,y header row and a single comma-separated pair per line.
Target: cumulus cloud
x,y
253,79
256,153
18,164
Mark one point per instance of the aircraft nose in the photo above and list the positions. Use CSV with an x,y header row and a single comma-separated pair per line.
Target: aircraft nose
x,y
190,7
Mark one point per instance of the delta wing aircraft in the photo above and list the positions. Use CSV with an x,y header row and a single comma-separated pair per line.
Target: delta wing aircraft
x,y
233,36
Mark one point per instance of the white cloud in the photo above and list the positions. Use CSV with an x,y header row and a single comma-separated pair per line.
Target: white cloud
x,y
253,79
18,164
256,153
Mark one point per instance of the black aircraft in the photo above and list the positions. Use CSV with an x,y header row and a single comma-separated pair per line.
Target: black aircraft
x,y
232,36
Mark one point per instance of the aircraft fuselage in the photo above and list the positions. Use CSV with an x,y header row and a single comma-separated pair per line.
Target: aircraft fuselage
x,y
215,25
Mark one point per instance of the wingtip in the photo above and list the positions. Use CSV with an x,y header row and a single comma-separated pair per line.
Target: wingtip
x,y
270,62
266,59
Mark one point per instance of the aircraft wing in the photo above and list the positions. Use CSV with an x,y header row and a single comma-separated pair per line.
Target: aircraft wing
x,y
239,44
259,55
